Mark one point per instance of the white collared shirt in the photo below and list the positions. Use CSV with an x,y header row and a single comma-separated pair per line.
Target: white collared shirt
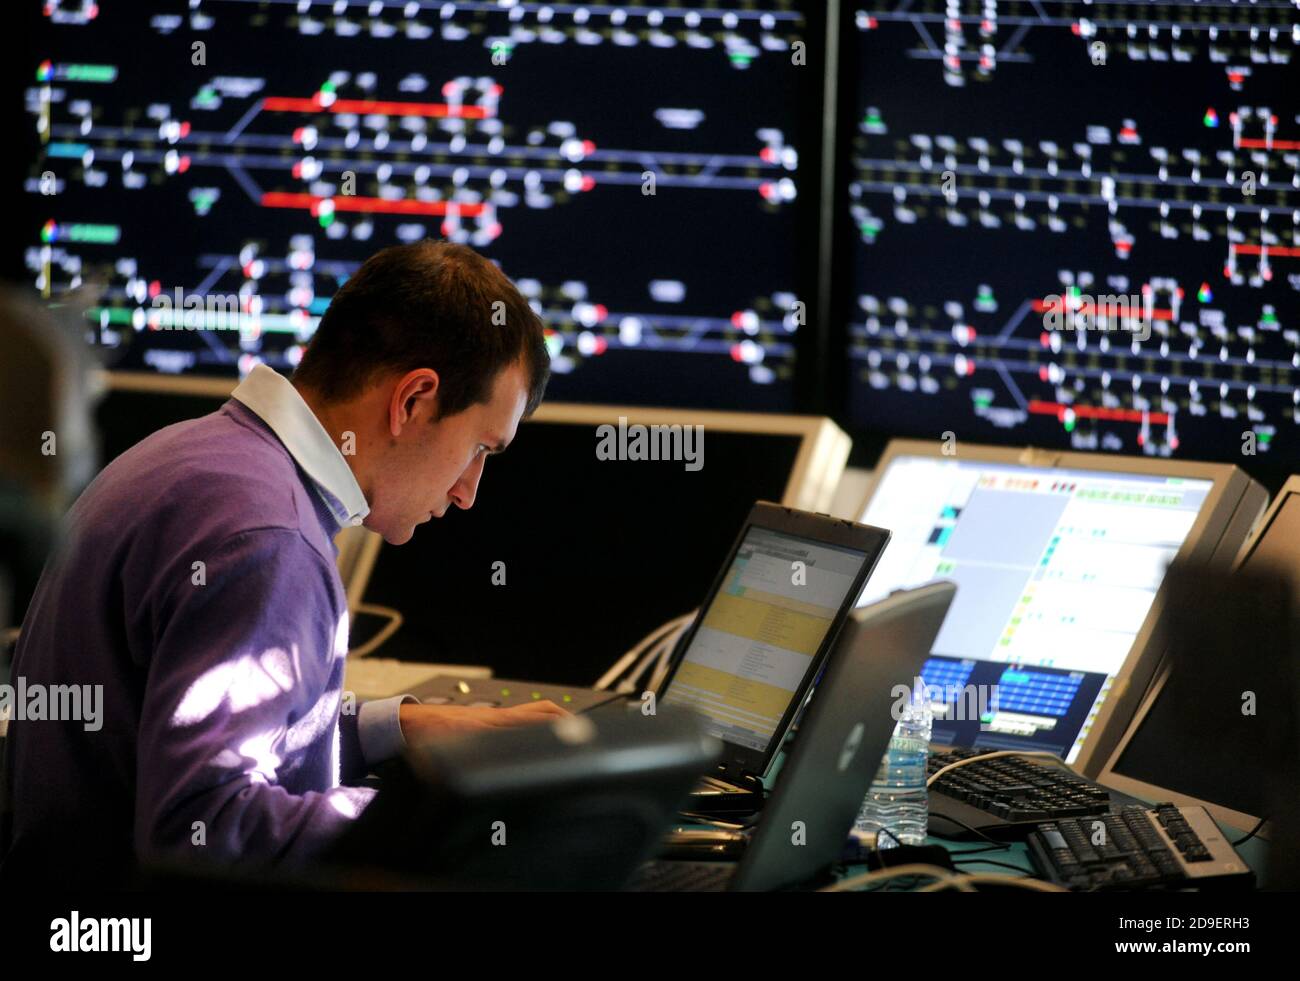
x,y
277,403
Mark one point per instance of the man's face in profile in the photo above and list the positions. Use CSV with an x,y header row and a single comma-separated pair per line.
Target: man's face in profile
x,y
433,464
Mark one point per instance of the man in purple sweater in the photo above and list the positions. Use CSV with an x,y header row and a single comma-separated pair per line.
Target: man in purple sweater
x,y
196,588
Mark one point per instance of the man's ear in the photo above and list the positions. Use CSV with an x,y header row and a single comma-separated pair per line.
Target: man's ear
x,y
414,398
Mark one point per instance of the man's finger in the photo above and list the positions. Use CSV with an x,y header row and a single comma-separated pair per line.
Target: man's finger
x,y
545,707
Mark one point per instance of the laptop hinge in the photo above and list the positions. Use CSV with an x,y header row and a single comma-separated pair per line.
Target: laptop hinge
x,y
745,779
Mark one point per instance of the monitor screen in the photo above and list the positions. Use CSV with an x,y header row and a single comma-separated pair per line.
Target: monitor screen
x,y
1156,751
760,635
1075,225
217,171
1056,570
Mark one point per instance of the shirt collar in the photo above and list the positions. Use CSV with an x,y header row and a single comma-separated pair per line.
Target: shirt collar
x,y
276,402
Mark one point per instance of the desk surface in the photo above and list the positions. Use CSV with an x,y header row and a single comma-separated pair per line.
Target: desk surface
x,y
966,854
1016,853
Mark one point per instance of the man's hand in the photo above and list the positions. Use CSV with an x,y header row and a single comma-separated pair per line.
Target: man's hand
x,y
424,722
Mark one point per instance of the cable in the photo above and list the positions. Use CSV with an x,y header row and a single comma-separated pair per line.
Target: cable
x,y
944,879
988,861
707,819
969,827
982,850
667,646
386,631
1027,754
1253,831
991,879
646,643
658,652
881,875
629,683
621,665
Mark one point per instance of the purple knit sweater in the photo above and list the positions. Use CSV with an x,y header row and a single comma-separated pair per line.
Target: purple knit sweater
x,y
222,736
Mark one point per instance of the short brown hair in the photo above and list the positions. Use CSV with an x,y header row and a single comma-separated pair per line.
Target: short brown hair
x,y
427,305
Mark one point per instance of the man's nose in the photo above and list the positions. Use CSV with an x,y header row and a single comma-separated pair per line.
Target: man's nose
x,y
466,489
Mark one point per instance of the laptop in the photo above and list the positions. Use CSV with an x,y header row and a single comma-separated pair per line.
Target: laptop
x,y
835,755
749,660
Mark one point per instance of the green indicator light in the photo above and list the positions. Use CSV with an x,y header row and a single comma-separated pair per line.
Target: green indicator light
x,y
537,694
114,315
93,234
505,692
568,698
90,73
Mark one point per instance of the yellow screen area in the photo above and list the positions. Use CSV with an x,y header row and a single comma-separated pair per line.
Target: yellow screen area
x,y
767,618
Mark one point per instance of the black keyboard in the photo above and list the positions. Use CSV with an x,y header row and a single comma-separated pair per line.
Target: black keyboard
x,y
1007,797
668,875
1165,847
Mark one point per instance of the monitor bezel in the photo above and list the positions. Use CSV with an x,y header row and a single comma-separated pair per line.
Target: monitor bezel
x,y
1139,668
1112,778
740,761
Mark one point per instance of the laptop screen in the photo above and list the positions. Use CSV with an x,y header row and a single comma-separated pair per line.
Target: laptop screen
x,y
1056,570
758,639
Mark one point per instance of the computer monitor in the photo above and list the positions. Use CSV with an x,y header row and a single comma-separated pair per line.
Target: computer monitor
x,y
1151,761
1073,225
216,171
566,560
1058,559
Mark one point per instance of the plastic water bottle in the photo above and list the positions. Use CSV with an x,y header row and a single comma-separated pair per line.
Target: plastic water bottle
x,y
898,800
